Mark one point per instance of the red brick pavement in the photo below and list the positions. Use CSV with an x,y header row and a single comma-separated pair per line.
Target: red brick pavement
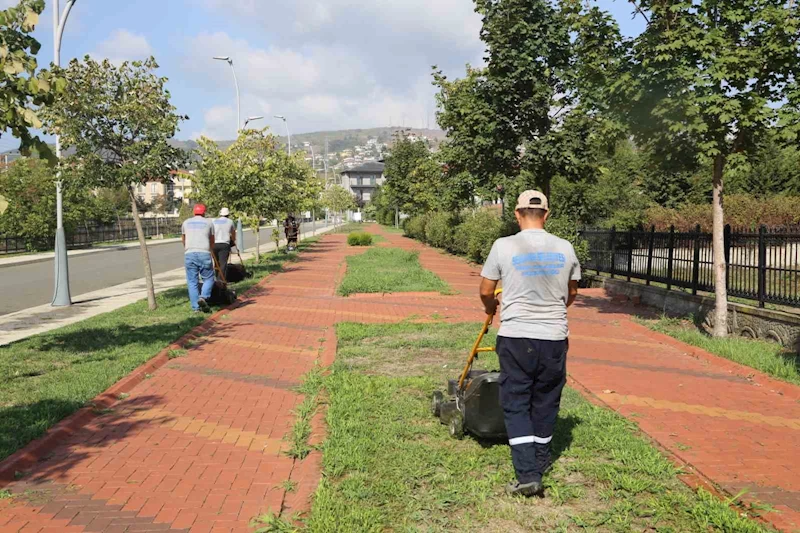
x,y
199,445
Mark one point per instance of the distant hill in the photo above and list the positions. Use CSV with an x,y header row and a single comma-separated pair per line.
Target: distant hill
x,y
338,140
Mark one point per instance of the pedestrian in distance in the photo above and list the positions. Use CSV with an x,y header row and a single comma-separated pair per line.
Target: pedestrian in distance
x,y
539,274
291,228
197,234
224,240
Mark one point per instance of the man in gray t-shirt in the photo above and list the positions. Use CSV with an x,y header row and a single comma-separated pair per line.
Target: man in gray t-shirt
x,y
540,275
198,242
224,239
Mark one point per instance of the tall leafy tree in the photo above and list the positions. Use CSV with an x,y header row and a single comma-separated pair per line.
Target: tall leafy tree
x,y
254,178
473,148
27,186
498,118
405,157
22,87
118,119
717,75
338,200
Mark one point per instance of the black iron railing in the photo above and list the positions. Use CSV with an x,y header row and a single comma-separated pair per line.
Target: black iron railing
x,y
93,233
763,265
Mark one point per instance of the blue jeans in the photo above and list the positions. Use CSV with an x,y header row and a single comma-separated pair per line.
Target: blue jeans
x,y
199,264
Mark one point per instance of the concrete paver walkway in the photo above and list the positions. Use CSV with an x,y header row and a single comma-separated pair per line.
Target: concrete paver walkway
x,y
198,446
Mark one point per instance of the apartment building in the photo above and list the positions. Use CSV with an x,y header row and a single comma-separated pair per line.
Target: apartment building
x,y
361,181
179,190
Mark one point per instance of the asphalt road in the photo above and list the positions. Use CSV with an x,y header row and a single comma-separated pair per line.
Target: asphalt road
x,y
30,285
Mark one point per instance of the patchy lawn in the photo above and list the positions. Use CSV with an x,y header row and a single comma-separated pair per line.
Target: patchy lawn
x,y
385,270
390,466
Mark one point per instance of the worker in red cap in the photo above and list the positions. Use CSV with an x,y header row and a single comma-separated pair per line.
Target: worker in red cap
x,y
197,234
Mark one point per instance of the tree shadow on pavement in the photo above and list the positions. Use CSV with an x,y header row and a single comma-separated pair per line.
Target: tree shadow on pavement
x,y
21,424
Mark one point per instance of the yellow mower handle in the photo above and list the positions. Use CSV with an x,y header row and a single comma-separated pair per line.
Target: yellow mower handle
x,y
476,348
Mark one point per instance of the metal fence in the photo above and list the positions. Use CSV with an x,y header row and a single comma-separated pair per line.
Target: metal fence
x,y
93,233
763,265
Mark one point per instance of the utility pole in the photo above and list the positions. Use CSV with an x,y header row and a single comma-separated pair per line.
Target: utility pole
x,y
61,294
326,161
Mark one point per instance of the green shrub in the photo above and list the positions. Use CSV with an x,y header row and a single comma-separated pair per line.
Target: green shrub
x,y
567,229
359,238
474,237
414,227
460,243
439,229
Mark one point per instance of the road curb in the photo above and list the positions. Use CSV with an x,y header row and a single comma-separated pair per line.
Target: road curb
x,y
32,260
104,249
38,449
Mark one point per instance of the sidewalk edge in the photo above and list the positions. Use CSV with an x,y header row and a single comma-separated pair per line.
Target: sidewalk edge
x,y
688,473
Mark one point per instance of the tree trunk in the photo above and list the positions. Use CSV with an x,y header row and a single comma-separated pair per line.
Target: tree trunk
x,y
148,273
257,230
718,239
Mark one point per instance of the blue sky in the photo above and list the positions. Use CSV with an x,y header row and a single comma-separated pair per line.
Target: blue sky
x,y
325,64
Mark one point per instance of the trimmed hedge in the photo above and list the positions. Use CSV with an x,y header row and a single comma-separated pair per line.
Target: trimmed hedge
x,y
439,229
741,211
359,238
472,233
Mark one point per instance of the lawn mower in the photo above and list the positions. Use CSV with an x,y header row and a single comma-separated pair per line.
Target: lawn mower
x,y
473,403
221,294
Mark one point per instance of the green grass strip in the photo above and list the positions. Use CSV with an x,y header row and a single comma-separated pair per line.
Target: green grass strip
x,y
390,466
301,431
386,270
50,376
768,357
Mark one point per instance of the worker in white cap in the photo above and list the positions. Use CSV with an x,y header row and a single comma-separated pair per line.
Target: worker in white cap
x,y
540,274
224,239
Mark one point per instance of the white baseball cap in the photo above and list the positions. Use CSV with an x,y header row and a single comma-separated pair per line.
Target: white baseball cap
x,y
224,212
532,199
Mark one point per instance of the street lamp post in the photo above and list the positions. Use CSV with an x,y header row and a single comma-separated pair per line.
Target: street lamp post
x,y
239,229
61,295
251,119
288,135
313,167
229,61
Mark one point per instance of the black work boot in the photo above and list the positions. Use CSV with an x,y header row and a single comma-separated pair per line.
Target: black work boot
x,y
515,488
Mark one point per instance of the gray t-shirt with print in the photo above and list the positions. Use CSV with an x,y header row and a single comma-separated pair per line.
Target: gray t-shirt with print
x,y
535,268
222,230
197,230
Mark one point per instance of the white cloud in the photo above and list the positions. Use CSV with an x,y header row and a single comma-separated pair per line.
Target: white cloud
x,y
337,63
218,123
450,21
123,45
277,71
